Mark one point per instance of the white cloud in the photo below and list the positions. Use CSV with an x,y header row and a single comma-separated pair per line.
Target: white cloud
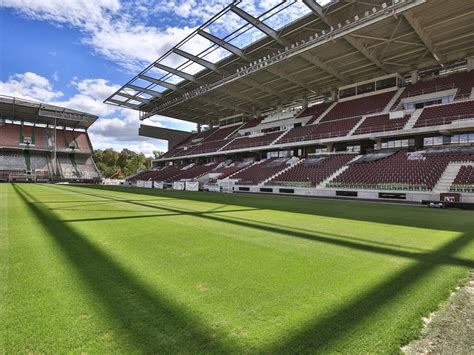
x,y
29,86
125,31
90,96
109,27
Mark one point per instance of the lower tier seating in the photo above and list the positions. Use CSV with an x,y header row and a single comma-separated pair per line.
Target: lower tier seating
x,y
311,172
398,171
196,171
12,161
464,181
261,171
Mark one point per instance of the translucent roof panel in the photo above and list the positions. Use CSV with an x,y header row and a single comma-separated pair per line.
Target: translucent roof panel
x,y
286,15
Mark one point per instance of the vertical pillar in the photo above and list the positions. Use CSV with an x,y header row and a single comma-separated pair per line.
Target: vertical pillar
x,y
470,63
305,103
414,76
419,143
378,144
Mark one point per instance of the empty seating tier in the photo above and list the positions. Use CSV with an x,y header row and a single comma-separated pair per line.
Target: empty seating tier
x,y
315,111
252,123
9,135
446,114
464,181
253,141
221,133
207,147
261,171
334,129
399,171
382,123
463,82
196,171
359,107
312,172
12,161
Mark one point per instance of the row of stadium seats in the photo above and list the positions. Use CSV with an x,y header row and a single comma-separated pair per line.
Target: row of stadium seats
x,y
399,171
389,170
34,162
312,172
359,107
464,181
463,82
13,135
446,114
430,116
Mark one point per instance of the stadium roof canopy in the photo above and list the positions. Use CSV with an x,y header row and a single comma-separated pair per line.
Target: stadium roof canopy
x,y
296,50
15,109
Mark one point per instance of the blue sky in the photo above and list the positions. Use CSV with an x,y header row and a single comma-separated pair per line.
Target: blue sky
x,y
75,53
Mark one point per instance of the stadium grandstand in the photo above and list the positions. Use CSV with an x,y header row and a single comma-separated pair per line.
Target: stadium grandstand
x,y
355,99
44,143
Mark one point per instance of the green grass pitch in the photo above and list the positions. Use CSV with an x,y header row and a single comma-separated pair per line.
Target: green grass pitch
x,y
102,270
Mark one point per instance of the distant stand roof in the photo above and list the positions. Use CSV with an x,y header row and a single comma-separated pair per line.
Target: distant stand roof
x,y
12,108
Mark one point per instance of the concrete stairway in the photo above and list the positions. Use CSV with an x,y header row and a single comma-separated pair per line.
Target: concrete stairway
x,y
323,184
414,117
243,169
225,145
351,132
393,100
280,136
324,113
449,175
291,166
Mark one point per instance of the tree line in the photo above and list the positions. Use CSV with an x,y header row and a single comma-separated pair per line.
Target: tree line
x,y
113,164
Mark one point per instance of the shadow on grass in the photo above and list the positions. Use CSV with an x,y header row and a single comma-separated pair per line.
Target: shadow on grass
x,y
333,239
325,330
152,321
343,209
320,334
174,213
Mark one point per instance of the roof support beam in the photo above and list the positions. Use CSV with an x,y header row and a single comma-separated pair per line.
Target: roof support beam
x,y
220,42
424,37
148,91
191,78
196,59
291,78
317,10
131,97
158,82
176,72
120,103
219,103
256,23
324,66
